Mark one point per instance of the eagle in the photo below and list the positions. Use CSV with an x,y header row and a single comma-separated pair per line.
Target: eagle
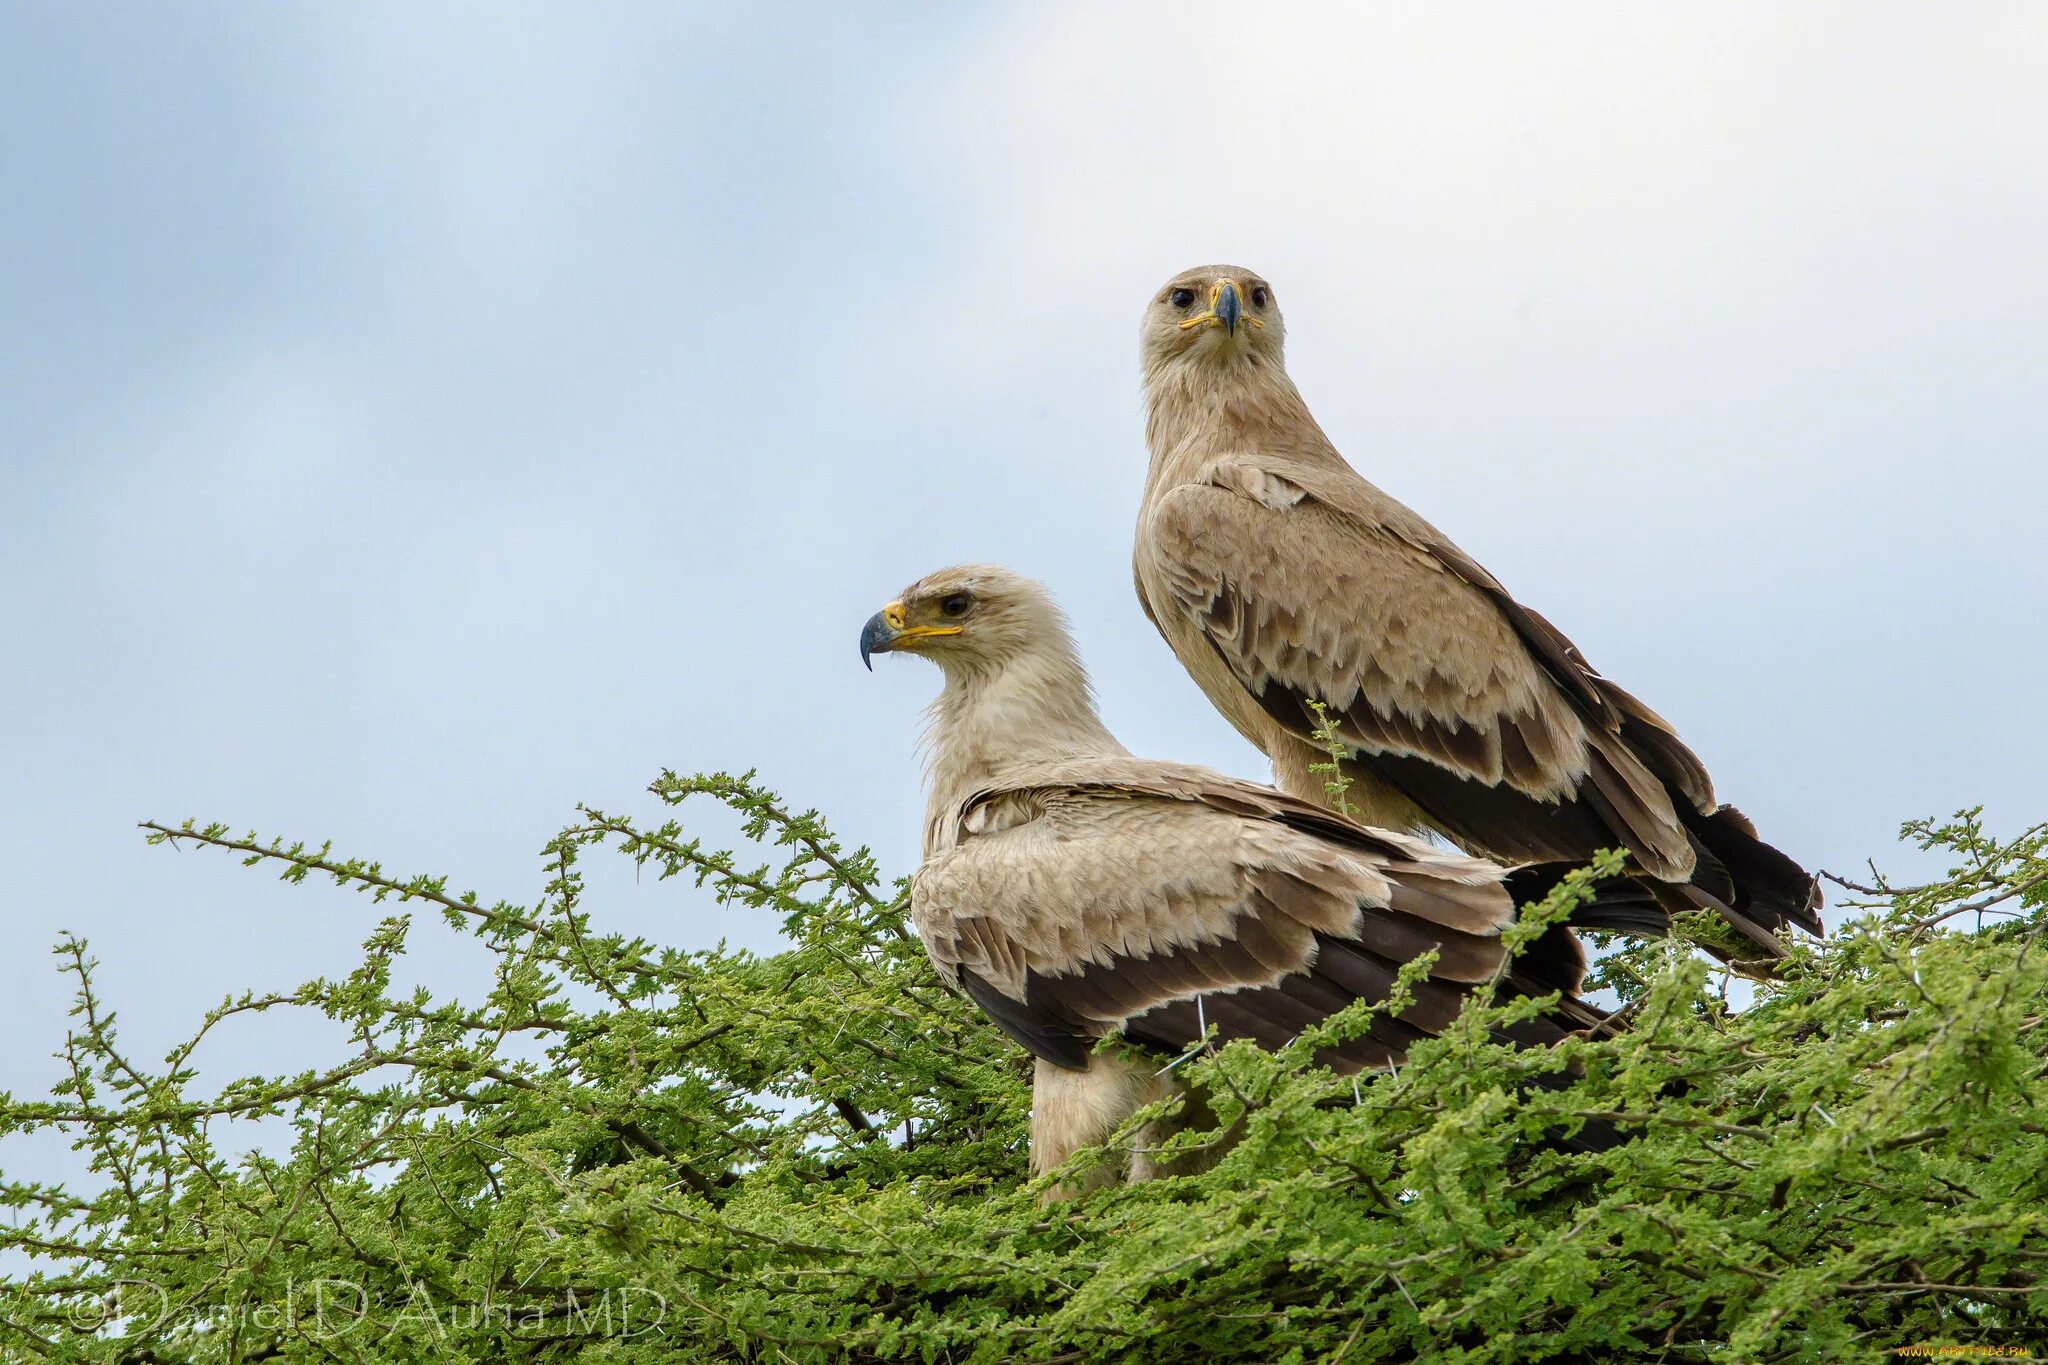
x,y
1324,618
1077,893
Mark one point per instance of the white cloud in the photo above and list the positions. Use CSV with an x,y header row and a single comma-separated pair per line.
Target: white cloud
x,y
1577,194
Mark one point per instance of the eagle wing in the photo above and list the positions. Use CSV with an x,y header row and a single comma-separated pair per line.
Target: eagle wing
x,y
1315,588
1119,896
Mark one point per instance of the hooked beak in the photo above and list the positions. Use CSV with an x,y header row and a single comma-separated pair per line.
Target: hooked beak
x,y
1228,307
876,637
888,629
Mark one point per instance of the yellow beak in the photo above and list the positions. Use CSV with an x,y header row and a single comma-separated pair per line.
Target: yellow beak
x,y
1226,307
889,629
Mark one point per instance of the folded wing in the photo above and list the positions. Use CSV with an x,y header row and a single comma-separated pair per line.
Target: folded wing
x,y
1313,587
1077,901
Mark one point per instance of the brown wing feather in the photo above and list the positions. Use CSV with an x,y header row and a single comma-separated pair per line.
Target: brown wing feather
x,y
1409,657
1114,894
1312,586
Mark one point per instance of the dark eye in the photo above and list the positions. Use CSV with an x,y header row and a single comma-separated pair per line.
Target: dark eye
x,y
956,605
1181,298
1259,296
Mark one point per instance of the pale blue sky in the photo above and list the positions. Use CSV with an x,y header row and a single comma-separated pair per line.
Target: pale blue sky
x,y
414,420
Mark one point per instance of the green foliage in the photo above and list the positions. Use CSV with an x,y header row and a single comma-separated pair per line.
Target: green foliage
x,y
633,1152
1336,783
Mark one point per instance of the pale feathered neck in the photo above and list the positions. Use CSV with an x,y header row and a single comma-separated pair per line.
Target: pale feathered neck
x,y
1196,406
1035,707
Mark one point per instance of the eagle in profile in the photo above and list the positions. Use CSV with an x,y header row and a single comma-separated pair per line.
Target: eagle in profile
x,y
1078,893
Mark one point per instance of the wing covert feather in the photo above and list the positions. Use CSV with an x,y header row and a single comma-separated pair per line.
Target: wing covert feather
x,y
1417,652
1132,888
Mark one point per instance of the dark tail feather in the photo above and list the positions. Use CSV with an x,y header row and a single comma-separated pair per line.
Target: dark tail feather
x,y
1595,1135
1557,961
1770,888
1620,905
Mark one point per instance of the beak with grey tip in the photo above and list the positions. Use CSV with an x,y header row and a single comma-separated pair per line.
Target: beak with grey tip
x,y
889,629
876,637
1229,307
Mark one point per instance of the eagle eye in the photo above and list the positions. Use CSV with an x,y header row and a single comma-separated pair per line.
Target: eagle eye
x,y
956,604
1259,296
1181,298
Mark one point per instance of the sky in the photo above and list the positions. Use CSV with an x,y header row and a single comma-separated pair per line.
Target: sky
x,y
415,420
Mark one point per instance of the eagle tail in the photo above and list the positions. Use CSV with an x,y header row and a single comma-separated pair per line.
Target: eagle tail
x,y
1770,889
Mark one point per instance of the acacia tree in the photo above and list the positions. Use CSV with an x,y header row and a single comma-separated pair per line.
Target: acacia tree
x,y
626,1151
